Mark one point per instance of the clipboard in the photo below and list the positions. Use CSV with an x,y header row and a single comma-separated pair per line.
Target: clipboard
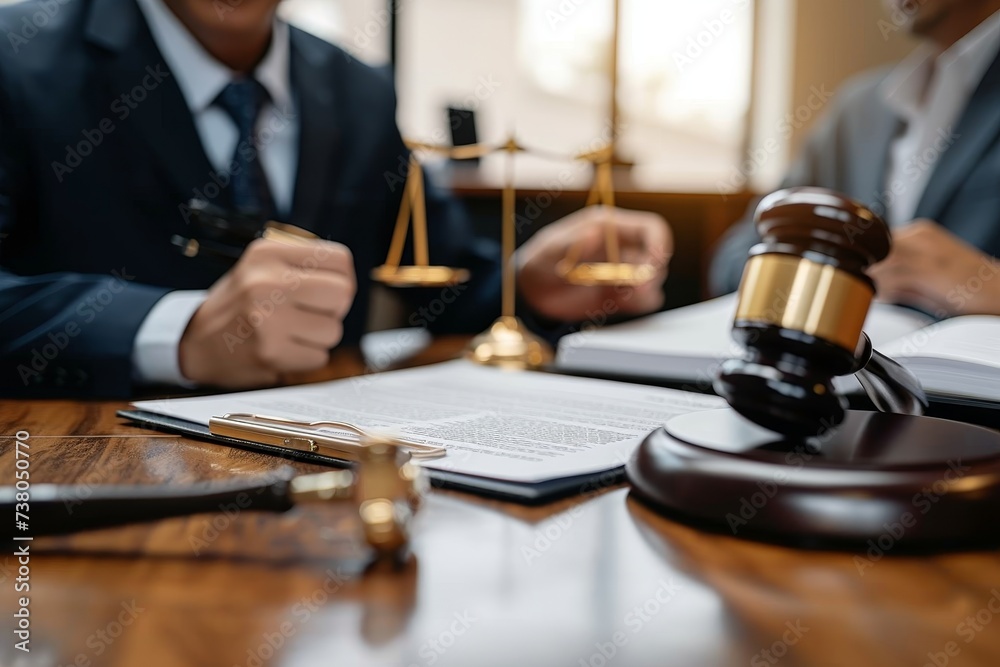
x,y
534,493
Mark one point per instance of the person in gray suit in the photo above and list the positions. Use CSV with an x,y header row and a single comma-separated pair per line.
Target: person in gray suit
x,y
920,144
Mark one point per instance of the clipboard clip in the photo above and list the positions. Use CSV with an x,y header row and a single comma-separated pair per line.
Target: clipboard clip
x,y
336,439
385,484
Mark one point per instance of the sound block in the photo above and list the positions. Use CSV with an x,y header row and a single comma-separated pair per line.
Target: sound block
x,y
916,482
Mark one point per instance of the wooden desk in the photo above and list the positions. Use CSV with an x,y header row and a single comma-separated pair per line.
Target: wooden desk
x,y
491,583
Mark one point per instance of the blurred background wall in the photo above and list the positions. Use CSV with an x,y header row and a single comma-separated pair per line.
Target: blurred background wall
x,y
835,40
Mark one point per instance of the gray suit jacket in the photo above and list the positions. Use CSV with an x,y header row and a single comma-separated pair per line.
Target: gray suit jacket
x,y
848,150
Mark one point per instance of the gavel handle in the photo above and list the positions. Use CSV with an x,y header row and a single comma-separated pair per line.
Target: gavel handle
x,y
891,387
52,509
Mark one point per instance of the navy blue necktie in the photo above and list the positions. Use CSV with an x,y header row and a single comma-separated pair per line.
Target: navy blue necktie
x,y
243,100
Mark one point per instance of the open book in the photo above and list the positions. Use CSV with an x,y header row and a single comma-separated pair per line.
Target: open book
x,y
959,357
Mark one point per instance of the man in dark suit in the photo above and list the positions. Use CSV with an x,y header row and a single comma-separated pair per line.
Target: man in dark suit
x,y
920,144
115,113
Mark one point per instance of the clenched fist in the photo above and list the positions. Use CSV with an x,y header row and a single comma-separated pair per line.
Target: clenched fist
x,y
279,310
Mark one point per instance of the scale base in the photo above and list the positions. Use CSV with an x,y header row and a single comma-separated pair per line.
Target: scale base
x,y
883,479
509,344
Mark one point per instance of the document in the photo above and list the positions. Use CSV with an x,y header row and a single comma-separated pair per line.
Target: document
x,y
517,426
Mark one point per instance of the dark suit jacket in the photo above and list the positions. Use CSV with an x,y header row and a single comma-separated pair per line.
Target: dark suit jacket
x,y
91,187
848,152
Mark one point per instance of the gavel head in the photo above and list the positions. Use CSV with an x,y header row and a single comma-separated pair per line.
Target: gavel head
x,y
386,486
388,489
801,307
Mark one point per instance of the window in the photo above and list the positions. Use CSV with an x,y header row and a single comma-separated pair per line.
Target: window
x,y
541,68
361,27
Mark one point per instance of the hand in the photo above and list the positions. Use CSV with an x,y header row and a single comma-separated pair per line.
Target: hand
x,y
644,238
279,310
934,270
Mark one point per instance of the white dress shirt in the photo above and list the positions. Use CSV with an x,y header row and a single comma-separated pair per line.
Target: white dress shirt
x,y
201,78
929,91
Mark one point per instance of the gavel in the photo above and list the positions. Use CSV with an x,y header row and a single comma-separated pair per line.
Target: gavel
x,y
802,304
817,474
385,488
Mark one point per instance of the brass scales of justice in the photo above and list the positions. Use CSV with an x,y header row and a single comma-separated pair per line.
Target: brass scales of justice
x,y
507,342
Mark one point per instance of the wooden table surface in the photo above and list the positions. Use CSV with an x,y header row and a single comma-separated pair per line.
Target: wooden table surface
x,y
590,581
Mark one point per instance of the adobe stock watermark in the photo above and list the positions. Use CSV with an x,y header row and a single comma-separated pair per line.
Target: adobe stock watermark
x,y
773,654
913,168
484,88
970,628
87,311
562,12
101,639
277,121
121,108
632,624
224,8
393,351
704,380
221,521
266,305
7,569
795,460
552,189
901,16
961,295
300,613
711,30
922,503
429,313
553,530
83,488
378,21
433,648
596,319
423,317
30,25
792,121
558,526
916,166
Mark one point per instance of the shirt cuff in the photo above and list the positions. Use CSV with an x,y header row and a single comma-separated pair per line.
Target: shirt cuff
x,y
155,354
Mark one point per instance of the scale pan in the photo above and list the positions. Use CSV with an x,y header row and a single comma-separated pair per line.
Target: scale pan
x,y
419,276
592,274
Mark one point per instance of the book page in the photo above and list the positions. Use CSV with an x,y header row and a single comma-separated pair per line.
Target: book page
x,y
958,357
974,339
701,330
516,426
